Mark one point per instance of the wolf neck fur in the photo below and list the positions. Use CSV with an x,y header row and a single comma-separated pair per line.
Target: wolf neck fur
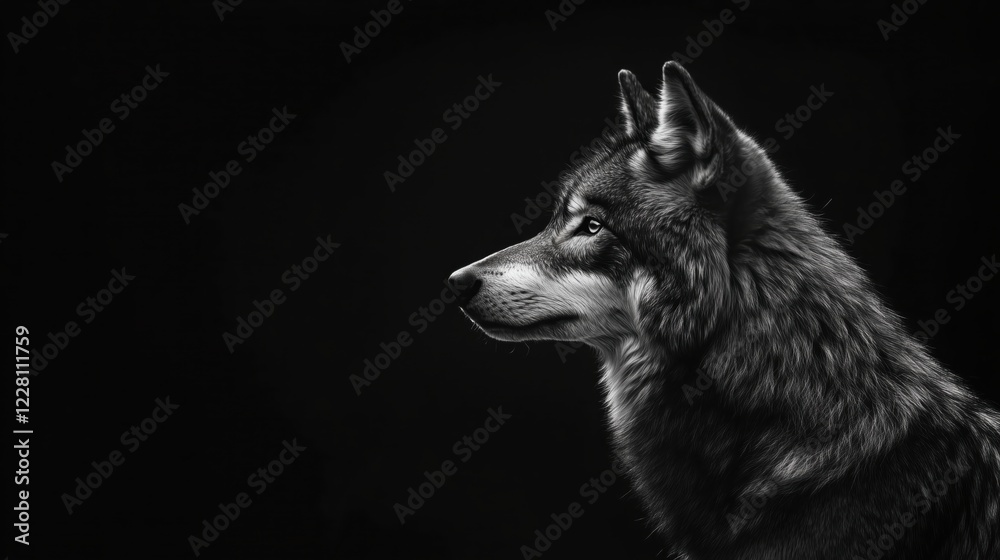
x,y
825,321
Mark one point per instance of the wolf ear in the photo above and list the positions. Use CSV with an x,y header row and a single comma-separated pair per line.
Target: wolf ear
x,y
638,106
685,130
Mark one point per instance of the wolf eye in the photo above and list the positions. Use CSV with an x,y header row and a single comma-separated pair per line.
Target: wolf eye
x,y
589,226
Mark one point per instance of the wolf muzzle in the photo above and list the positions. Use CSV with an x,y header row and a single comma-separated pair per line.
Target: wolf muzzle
x,y
466,283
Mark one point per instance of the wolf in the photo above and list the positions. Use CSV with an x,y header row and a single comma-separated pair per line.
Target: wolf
x,y
819,428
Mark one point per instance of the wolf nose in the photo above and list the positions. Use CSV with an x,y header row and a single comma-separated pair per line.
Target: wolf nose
x,y
466,283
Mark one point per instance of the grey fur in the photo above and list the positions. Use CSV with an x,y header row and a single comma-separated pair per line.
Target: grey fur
x,y
746,289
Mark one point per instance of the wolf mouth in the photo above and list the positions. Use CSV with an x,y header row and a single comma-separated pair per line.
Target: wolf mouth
x,y
495,325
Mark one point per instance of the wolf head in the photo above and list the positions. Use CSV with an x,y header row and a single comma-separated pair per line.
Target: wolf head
x,y
641,233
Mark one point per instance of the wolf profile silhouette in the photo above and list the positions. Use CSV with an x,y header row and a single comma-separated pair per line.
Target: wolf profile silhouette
x,y
826,431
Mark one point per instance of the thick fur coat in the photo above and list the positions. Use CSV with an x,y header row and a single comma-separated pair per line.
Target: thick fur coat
x,y
767,403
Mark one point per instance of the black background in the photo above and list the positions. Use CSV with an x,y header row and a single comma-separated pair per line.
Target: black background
x,y
323,176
